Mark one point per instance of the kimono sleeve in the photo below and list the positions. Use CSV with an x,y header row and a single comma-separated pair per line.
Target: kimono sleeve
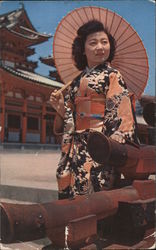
x,y
69,126
118,117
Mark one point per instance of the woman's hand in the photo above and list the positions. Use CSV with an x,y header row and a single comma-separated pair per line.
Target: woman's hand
x,y
57,102
117,136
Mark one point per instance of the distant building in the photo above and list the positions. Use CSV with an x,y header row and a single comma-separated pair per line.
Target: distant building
x,y
53,74
25,113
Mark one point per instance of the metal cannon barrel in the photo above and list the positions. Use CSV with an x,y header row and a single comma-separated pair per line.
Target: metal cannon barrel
x,y
134,161
145,99
27,222
71,222
149,109
149,113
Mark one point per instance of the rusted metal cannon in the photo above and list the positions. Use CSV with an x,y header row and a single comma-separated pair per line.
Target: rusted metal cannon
x,y
149,109
146,120
132,160
73,223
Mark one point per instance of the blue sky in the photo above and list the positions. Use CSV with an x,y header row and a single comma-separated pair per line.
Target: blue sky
x,y
45,16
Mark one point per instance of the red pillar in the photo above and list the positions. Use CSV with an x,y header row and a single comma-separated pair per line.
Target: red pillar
x,y
2,115
24,121
43,122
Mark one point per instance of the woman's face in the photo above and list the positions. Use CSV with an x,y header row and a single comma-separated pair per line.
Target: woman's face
x,y
97,48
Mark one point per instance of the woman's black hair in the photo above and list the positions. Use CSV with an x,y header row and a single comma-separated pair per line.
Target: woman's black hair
x,y
78,45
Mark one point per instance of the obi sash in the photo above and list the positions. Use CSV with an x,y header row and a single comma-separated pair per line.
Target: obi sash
x,y
90,107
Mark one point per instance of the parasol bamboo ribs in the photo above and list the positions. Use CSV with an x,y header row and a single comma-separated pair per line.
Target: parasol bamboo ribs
x,y
62,89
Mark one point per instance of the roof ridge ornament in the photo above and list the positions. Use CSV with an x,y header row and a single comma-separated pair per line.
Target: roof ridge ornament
x,y
22,5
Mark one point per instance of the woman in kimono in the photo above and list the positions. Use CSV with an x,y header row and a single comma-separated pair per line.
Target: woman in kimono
x,y
98,100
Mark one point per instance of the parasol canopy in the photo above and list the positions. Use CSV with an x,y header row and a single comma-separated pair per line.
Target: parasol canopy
x,y
130,55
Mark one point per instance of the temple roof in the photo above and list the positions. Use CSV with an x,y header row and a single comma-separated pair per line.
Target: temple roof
x,y
17,22
38,79
48,60
10,19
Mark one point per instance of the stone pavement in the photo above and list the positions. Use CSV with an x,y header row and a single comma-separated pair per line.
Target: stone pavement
x,y
32,245
28,176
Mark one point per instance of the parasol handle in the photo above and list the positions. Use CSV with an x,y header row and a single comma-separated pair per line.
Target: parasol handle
x,y
62,89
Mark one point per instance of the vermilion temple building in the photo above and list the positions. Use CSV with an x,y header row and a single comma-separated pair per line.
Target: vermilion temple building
x,y
25,113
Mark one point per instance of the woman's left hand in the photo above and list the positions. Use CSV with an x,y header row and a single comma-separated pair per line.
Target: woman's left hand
x,y
117,136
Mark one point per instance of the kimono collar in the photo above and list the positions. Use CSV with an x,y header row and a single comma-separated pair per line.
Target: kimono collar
x,y
102,65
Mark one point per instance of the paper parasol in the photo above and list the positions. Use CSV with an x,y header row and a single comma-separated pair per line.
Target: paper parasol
x,y
130,55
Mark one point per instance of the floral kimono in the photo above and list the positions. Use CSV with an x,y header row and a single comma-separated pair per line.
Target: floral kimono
x,y
96,100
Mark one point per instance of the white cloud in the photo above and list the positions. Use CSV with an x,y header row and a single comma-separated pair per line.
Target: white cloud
x,y
153,1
